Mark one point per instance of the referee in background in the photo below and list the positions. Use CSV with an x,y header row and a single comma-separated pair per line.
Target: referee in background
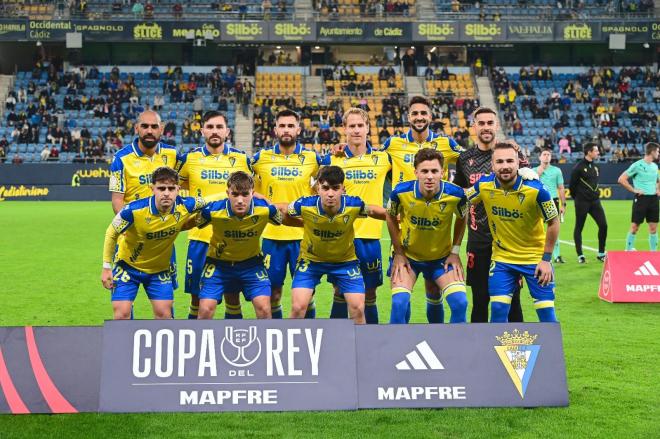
x,y
584,190
645,185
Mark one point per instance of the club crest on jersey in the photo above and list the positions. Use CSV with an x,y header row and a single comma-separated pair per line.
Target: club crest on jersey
x,y
232,160
521,198
434,145
411,204
177,216
345,219
443,206
374,158
301,158
164,157
492,195
254,219
147,220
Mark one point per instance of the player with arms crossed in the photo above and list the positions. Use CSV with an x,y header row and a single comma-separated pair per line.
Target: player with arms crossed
x,y
425,207
283,175
234,262
149,227
516,210
328,247
204,171
365,170
646,187
472,164
553,180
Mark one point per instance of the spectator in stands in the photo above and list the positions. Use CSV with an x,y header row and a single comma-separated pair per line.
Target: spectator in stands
x,y
10,101
266,6
17,160
138,10
177,10
45,153
517,127
54,154
149,10
159,102
564,145
409,63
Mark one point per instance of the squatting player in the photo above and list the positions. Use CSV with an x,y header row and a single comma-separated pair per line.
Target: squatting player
x,y
472,164
283,175
553,180
425,207
646,187
149,227
328,247
234,262
204,171
365,170
402,150
516,210
134,164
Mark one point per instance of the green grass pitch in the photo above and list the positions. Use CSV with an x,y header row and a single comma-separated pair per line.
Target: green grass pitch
x,y
50,265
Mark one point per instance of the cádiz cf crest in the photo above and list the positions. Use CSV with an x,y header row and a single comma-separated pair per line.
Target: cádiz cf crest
x,y
443,206
374,158
346,219
177,216
301,158
518,355
521,198
232,160
164,157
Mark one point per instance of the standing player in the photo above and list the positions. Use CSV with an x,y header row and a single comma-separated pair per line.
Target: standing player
x,y
402,150
584,190
328,243
472,164
234,262
133,165
149,226
646,187
516,210
365,170
284,174
425,208
204,171
553,180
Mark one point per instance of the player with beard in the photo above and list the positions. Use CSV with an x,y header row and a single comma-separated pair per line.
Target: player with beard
x,y
134,164
516,210
283,175
204,172
472,164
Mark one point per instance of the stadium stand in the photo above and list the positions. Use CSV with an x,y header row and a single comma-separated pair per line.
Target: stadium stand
x,y
87,114
378,9
176,9
618,108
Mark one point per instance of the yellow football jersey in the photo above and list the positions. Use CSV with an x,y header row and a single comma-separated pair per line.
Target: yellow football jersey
x,y
426,226
131,169
207,175
515,217
283,179
365,178
328,239
402,150
236,239
149,235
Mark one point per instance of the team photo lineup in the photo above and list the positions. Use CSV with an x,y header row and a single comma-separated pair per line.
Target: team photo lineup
x,y
252,219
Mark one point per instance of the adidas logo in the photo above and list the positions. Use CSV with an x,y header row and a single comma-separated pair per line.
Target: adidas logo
x,y
646,269
415,362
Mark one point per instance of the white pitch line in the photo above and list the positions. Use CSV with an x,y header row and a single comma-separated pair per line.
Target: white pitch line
x,y
573,244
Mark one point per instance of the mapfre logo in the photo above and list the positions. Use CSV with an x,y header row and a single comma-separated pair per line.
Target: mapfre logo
x,y
646,269
421,358
240,347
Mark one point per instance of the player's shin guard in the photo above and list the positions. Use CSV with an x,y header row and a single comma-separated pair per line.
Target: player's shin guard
x,y
339,308
545,309
371,311
499,308
400,305
435,311
276,310
653,241
233,312
456,298
311,310
630,241
192,312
